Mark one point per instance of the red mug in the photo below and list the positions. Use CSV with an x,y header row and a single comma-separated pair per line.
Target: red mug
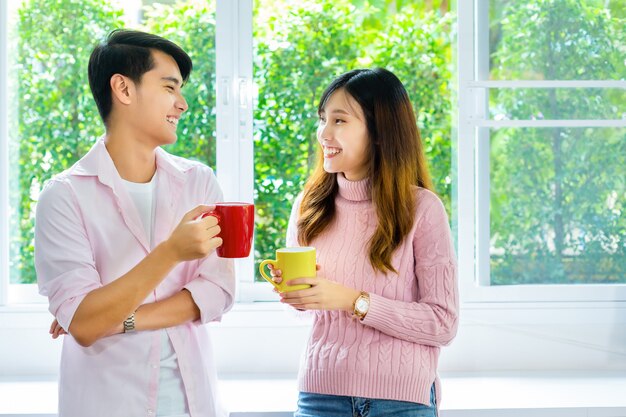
x,y
236,222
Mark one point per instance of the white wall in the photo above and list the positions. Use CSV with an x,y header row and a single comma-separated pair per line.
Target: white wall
x,y
263,339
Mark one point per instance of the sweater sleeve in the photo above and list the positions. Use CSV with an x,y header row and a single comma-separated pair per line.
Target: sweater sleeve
x,y
432,319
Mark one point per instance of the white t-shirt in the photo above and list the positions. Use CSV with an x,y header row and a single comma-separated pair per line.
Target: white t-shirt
x,y
171,401
143,196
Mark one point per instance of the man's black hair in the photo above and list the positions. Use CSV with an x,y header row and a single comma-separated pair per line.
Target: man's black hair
x,y
128,52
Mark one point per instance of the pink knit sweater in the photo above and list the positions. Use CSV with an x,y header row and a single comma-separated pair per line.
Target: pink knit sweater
x,y
393,352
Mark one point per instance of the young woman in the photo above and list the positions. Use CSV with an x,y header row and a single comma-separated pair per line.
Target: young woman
x,y
385,297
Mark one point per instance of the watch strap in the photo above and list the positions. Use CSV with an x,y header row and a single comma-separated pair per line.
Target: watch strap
x,y
358,313
129,324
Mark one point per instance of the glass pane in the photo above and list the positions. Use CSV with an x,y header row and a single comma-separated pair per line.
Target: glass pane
x,y
55,120
557,103
191,24
557,206
557,40
300,47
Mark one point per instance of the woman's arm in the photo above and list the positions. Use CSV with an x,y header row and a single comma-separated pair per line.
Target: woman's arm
x,y
433,318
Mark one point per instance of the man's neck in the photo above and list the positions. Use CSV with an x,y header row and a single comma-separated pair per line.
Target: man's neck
x,y
134,160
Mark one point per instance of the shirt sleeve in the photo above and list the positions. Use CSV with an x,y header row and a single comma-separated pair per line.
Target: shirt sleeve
x,y
213,290
64,261
433,319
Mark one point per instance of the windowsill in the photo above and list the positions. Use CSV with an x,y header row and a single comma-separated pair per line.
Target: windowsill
x,y
274,305
464,395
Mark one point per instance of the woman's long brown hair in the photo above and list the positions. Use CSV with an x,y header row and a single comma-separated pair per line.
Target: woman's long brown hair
x,y
397,164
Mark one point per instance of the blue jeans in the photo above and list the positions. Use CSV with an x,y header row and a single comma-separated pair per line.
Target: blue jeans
x,y
322,405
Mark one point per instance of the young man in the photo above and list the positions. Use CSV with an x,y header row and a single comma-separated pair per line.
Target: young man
x,y
129,269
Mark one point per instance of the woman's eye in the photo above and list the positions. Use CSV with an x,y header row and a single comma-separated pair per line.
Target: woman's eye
x,y
339,121
170,88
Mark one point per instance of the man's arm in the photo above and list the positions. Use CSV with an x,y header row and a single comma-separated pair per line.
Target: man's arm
x,y
178,309
172,311
103,309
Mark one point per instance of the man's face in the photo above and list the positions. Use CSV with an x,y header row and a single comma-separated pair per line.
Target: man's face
x,y
159,102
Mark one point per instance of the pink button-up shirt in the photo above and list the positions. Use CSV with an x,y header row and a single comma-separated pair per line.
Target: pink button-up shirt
x,y
88,233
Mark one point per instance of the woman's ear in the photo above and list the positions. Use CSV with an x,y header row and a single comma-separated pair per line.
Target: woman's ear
x,y
121,89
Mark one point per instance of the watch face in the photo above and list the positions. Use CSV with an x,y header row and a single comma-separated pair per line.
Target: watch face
x,y
362,305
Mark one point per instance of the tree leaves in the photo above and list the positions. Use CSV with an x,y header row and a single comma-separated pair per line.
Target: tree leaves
x,y
300,51
57,118
299,48
557,196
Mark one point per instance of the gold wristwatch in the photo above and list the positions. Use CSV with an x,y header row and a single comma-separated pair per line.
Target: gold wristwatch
x,y
361,305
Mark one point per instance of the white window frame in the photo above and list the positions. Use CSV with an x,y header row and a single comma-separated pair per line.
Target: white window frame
x,y
473,188
235,122
9,293
4,155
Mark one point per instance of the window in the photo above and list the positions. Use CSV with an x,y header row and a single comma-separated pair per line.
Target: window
x,y
258,133
260,68
253,114
542,133
299,48
55,120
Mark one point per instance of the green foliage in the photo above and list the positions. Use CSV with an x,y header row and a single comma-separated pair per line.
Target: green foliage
x,y
294,63
300,49
559,40
558,197
191,25
58,119
417,47
557,200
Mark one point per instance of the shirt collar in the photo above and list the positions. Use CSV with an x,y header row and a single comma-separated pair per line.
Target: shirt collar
x,y
98,162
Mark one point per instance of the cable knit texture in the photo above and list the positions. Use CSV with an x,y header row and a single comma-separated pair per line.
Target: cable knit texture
x,y
393,352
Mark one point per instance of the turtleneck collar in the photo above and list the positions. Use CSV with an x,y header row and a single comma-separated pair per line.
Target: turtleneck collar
x,y
354,190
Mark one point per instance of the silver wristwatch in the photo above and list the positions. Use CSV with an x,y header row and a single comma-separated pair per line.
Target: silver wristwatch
x,y
129,324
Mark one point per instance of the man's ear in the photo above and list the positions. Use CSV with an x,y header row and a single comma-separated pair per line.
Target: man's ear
x,y
122,88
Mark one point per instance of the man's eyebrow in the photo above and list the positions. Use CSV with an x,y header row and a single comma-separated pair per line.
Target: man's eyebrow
x,y
172,79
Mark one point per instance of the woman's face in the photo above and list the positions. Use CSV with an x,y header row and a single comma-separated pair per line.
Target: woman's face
x,y
343,134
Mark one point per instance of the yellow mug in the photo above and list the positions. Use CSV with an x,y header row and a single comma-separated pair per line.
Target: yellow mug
x,y
294,262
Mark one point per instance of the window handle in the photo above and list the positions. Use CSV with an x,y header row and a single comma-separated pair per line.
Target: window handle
x,y
243,93
225,90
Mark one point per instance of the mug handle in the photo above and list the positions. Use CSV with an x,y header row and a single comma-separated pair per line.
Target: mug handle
x,y
262,271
